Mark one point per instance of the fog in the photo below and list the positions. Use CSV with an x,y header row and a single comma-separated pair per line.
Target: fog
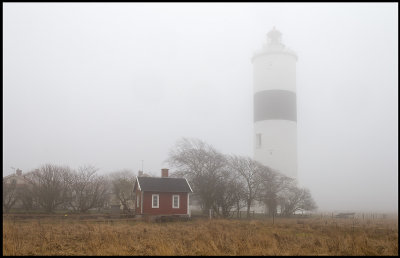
x,y
115,84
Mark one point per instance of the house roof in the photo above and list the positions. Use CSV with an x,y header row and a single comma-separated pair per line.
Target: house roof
x,y
163,184
20,178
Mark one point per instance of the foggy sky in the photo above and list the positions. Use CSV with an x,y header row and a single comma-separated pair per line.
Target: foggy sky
x,y
111,84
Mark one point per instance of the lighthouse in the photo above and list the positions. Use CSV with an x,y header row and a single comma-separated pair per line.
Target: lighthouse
x,y
275,112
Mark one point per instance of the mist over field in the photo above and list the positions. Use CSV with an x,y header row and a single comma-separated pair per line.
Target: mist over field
x,y
116,85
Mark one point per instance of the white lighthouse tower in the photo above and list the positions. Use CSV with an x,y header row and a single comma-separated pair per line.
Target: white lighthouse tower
x,y
275,113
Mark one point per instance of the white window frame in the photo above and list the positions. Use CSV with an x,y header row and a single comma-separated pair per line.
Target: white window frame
x,y
137,200
152,201
173,198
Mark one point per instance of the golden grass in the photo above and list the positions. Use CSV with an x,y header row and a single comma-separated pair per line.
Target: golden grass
x,y
315,236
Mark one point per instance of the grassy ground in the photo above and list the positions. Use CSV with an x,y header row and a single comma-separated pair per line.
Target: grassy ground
x,y
308,236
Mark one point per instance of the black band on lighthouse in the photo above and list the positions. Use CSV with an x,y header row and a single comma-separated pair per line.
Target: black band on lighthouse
x,y
275,104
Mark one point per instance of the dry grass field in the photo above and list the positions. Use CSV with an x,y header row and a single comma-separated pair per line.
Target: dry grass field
x,y
306,236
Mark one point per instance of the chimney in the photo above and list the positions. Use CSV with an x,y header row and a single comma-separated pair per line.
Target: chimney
x,y
19,172
164,172
140,173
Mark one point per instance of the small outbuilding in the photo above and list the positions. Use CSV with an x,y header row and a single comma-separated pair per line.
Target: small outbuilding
x,y
162,196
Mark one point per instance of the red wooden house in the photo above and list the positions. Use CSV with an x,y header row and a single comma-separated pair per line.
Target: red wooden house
x,y
162,196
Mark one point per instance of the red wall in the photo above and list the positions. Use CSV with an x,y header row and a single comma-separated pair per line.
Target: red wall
x,y
165,204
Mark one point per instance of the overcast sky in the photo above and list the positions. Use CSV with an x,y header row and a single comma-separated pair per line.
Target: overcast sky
x,y
112,84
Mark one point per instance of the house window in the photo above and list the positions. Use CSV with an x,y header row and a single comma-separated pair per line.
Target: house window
x,y
155,202
258,140
137,200
175,201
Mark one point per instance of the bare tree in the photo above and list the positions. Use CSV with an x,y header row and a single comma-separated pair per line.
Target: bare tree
x,y
10,195
226,194
202,165
308,203
122,187
273,184
239,196
26,197
222,182
248,171
51,185
87,189
295,199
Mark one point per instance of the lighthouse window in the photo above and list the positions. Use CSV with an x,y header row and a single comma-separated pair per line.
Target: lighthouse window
x,y
258,140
